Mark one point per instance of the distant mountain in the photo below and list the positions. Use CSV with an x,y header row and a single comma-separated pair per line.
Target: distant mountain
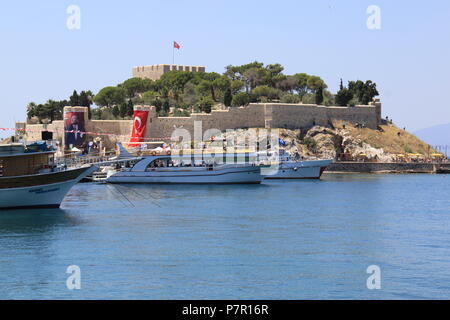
x,y
435,136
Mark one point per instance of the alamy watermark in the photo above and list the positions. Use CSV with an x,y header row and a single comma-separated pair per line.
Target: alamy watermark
x,y
264,142
374,280
73,21
374,20
74,280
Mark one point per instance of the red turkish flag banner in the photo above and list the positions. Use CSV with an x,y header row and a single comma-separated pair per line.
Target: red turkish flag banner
x,y
139,126
176,45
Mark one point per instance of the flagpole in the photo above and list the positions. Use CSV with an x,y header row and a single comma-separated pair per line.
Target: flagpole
x,y
173,53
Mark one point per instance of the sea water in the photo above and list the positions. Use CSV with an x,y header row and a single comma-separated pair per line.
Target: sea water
x,y
278,240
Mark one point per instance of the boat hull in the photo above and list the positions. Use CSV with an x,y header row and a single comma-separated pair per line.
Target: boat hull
x,y
300,170
245,175
49,195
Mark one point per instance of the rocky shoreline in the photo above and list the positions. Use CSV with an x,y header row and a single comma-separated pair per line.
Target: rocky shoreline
x,y
389,167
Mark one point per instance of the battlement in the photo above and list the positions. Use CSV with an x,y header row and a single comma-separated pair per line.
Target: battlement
x,y
154,72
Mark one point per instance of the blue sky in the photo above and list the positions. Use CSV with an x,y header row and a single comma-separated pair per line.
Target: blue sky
x,y
408,58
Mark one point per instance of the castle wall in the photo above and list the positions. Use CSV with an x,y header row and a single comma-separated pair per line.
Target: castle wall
x,y
255,115
155,72
298,116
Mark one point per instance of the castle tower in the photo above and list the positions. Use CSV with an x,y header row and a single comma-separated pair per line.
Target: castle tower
x,y
155,72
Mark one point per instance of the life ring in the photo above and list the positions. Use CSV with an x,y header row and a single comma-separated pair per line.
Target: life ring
x,y
168,152
153,153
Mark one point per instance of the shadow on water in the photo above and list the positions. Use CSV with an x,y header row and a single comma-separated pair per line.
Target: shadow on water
x,y
34,221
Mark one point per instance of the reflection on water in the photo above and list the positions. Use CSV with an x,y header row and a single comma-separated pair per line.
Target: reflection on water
x,y
31,221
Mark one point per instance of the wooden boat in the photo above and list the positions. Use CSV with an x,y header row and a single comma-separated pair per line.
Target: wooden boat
x,y
29,177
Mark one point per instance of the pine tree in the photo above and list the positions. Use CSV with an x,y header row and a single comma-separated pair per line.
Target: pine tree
x,y
74,99
130,108
228,97
319,95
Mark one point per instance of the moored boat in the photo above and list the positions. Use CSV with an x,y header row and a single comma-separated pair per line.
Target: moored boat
x,y
29,177
187,169
290,168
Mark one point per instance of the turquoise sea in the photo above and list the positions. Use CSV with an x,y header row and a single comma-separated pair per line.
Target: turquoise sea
x,y
278,240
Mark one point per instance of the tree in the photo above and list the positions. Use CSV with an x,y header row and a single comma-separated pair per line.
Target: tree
x,y
205,104
31,110
319,95
237,72
73,100
343,96
364,92
267,92
274,74
85,99
173,82
205,87
315,83
236,86
301,85
149,97
116,110
165,108
290,98
254,77
133,86
221,85
240,99
130,108
227,98
288,84
52,110
110,96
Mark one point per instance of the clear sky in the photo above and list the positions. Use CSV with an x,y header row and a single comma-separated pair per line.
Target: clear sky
x,y
409,57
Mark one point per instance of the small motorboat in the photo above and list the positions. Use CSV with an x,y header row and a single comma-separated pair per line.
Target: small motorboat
x,y
295,168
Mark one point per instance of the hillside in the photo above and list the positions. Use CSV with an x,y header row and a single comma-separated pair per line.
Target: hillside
x,y
351,143
384,144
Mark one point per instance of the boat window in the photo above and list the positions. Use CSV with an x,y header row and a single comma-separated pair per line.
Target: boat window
x,y
1,168
157,163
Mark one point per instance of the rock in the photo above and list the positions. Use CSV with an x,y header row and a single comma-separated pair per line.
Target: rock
x,y
321,142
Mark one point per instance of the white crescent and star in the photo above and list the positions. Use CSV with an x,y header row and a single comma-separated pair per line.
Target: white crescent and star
x,y
138,120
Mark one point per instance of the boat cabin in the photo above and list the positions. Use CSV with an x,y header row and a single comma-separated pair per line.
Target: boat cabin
x,y
152,163
20,160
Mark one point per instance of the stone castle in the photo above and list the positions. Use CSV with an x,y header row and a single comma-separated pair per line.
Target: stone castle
x,y
255,115
155,72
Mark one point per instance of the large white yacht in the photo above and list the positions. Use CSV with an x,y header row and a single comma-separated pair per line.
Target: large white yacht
x,y
29,177
189,169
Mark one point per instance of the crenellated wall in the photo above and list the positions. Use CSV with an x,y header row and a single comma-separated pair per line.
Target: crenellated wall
x,y
154,72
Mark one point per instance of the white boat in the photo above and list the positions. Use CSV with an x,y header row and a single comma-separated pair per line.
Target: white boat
x,y
30,178
187,169
290,168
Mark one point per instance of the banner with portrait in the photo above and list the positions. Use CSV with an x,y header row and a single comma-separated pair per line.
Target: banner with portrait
x,y
74,129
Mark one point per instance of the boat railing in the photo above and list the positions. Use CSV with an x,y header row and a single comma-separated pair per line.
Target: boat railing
x,y
92,159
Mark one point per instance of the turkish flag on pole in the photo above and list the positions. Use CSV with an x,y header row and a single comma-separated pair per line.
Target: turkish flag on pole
x,y
139,126
176,45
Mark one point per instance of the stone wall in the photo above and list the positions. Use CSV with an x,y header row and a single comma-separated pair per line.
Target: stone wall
x,y
255,115
155,72
300,116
